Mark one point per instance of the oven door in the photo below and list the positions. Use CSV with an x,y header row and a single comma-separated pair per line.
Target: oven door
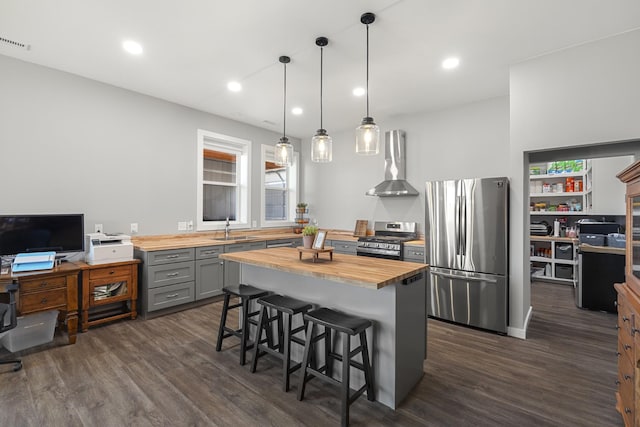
x,y
378,253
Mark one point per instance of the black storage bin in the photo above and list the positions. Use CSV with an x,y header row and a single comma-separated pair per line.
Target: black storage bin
x,y
564,251
564,271
592,239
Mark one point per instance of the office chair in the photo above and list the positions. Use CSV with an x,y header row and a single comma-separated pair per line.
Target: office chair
x,y
10,311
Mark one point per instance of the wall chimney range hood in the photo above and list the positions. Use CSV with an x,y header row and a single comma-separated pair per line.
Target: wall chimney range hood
x,y
394,183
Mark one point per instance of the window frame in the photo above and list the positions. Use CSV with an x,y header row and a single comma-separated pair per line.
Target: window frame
x,y
242,149
266,153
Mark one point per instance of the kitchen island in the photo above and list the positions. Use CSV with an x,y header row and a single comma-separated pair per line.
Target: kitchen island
x,y
390,293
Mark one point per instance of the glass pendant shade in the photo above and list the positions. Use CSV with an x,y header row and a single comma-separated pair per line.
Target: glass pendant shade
x,y
284,152
367,137
321,147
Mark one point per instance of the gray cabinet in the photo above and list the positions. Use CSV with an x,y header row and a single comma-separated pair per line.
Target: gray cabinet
x,y
209,272
413,253
343,246
232,269
167,279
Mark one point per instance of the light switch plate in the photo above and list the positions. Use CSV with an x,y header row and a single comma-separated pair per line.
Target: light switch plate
x,y
182,226
134,227
98,228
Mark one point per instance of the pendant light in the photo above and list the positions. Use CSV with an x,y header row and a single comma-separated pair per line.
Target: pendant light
x,y
368,133
321,141
284,149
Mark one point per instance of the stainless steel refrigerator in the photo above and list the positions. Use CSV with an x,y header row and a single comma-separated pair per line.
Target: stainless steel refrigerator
x,y
466,233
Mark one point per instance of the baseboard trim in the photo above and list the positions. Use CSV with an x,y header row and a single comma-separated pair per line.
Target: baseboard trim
x,y
521,332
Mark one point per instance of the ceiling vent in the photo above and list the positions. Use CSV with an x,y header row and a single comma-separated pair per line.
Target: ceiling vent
x,y
15,43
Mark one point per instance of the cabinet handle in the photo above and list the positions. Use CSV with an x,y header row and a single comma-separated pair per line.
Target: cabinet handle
x,y
43,284
618,353
221,262
618,327
209,252
625,319
172,256
172,295
174,274
627,410
43,301
112,272
627,346
418,253
627,377
617,382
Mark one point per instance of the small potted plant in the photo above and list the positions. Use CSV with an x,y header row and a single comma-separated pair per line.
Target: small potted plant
x,y
308,235
301,207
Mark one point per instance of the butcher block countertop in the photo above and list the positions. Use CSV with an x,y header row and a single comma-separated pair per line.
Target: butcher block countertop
x,y
372,273
192,240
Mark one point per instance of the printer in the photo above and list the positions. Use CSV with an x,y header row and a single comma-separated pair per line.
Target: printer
x,y
102,248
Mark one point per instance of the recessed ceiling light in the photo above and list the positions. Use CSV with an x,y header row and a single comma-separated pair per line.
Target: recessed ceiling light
x,y
359,91
132,47
296,111
234,86
450,63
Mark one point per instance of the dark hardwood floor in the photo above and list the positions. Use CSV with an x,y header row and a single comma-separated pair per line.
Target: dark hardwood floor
x,y
166,372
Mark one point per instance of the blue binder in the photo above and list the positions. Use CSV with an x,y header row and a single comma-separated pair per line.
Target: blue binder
x,y
32,261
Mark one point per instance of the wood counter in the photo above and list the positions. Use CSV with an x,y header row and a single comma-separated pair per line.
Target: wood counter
x,y
372,273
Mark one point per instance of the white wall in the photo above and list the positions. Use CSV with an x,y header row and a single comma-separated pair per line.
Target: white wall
x,y
70,144
581,96
469,141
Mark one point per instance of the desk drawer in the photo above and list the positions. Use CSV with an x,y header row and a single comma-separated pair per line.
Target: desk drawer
x,y
42,284
45,300
168,296
169,274
109,272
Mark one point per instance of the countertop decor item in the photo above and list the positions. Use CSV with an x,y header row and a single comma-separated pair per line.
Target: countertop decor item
x,y
284,149
368,133
309,235
321,143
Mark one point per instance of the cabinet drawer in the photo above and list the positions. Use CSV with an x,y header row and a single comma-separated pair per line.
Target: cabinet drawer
x,y
171,255
42,284
284,243
162,275
344,247
209,252
41,301
168,296
626,393
109,272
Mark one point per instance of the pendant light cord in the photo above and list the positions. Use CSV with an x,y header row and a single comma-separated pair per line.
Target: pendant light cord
x,y
284,113
321,54
368,70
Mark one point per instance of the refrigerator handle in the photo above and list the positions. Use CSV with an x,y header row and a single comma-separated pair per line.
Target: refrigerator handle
x,y
457,224
463,223
465,278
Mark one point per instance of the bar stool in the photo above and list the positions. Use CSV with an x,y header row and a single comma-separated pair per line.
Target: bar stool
x,y
246,293
348,326
286,308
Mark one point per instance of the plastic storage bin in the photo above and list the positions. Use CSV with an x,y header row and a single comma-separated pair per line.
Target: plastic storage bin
x,y
564,251
616,240
32,330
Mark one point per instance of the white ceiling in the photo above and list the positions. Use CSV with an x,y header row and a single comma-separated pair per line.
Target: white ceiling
x,y
192,48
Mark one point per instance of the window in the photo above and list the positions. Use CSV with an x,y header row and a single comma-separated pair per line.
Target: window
x,y
223,180
279,189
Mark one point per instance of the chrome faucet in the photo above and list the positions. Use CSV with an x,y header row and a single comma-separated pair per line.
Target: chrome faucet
x,y
226,230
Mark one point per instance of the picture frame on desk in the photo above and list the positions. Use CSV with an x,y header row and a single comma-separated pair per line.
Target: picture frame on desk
x,y
318,242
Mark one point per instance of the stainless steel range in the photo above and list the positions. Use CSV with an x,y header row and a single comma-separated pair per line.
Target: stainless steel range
x,y
388,240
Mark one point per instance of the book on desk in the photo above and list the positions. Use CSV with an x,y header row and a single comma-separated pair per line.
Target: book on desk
x,y
32,261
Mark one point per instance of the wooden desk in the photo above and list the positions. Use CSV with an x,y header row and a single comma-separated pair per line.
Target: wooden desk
x,y
48,290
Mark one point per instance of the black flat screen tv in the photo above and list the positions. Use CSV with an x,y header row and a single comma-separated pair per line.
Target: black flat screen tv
x,y
44,232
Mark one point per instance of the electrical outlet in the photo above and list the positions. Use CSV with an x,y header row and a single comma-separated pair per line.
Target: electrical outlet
x,y
190,225
182,226
98,228
134,227
254,224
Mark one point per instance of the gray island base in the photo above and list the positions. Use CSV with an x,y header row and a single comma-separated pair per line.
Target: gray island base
x,y
397,341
